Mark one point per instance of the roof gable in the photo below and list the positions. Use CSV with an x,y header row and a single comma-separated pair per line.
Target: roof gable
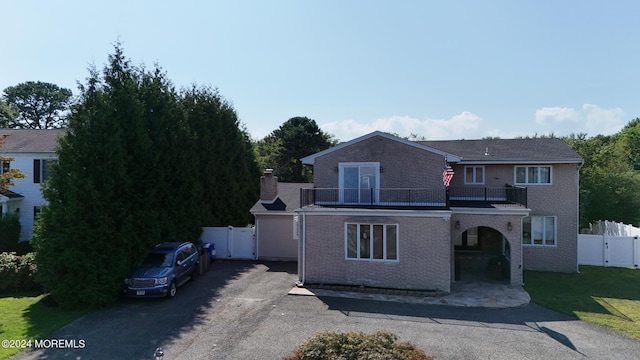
x,y
310,160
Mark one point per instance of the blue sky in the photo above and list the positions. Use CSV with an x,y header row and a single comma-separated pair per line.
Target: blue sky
x,y
439,69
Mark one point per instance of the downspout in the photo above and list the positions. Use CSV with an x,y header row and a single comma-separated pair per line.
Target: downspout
x,y
301,275
256,237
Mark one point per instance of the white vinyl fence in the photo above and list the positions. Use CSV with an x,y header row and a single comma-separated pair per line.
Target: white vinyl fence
x,y
614,244
231,242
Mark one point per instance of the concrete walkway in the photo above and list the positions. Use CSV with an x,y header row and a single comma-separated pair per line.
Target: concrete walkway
x,y
489,294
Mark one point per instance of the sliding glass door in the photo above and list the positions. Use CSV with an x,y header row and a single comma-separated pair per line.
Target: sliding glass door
x,y
359,183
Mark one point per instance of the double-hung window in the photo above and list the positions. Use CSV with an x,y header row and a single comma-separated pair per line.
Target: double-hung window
x,y
539,230
532,175
42,169
378,242
474,175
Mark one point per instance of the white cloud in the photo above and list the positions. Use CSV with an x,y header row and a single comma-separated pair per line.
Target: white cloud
x,y
556,114
590,119
603,121
462,125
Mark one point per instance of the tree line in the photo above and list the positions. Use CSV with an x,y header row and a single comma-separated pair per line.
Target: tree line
x,y
610,175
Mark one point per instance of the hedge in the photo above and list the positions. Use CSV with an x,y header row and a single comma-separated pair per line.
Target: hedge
x,y
17,272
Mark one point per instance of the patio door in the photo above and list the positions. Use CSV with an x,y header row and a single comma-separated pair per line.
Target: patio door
x,y
359,183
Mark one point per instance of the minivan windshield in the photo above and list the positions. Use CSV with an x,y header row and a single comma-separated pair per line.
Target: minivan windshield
x,y
158,260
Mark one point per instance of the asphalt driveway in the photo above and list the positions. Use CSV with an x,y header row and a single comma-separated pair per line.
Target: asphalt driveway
x,y
241,310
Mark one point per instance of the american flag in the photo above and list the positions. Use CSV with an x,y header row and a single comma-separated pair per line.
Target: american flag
x,y
447,175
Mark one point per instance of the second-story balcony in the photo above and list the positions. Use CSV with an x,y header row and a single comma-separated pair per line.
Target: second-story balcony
x,y
414,198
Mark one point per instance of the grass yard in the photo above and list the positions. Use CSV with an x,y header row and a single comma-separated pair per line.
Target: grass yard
x,y
25,316
606,296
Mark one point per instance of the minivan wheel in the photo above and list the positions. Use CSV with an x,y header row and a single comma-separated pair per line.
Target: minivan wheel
x,y
172,290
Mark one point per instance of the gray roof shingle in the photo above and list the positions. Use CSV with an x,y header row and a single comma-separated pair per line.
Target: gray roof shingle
x,y
288,194
27,140
543,150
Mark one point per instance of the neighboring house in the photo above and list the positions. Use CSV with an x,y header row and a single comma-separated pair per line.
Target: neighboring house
x,y
276,220
32,152
379,214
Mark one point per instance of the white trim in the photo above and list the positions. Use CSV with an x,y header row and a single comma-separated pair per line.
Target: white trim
x,y
269,202
384,242
519,162
273,212
359,165
313,211
543,245
310,160
490,211
474,167
515,175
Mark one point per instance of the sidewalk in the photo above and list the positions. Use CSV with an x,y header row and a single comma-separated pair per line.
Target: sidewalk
x,y
489,294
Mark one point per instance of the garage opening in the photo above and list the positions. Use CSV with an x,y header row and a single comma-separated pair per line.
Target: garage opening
x,y
482,253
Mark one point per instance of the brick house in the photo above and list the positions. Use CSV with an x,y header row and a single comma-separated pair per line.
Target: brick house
x,y
379,214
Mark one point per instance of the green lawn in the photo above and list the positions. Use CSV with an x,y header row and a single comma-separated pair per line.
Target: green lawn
x,y
605,296
25,316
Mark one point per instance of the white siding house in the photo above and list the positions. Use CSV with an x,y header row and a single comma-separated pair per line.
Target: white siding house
x,y
32,151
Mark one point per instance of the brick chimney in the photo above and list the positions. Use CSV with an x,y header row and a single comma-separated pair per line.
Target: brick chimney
x,y
268,187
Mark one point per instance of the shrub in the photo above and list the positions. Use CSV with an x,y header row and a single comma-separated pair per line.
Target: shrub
x,y
9,231
17,272
356,345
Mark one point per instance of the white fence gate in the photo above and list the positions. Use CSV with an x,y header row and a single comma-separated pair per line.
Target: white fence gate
x,y
231,242
604,250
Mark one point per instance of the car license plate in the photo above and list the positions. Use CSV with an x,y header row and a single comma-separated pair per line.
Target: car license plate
x,y
140,292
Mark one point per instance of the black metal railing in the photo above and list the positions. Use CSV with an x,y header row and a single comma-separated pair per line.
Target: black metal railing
x,y
508,194
404,197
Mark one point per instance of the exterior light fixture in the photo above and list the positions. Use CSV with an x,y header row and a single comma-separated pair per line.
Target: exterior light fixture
x,y
159,354
509,226
457,224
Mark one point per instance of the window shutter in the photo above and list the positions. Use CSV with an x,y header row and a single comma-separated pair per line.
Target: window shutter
x,y
36,170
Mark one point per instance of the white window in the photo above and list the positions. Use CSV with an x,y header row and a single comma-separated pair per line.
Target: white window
x,y
528,175
474,175
378,242
539,230
359,182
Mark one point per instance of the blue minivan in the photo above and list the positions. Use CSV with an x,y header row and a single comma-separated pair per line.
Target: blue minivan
x,y
167,266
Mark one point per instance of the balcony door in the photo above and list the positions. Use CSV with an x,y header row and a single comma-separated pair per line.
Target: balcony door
x,y
359,182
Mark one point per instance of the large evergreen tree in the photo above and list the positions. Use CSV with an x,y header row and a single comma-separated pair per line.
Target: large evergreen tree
x,y
140,164
223,152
